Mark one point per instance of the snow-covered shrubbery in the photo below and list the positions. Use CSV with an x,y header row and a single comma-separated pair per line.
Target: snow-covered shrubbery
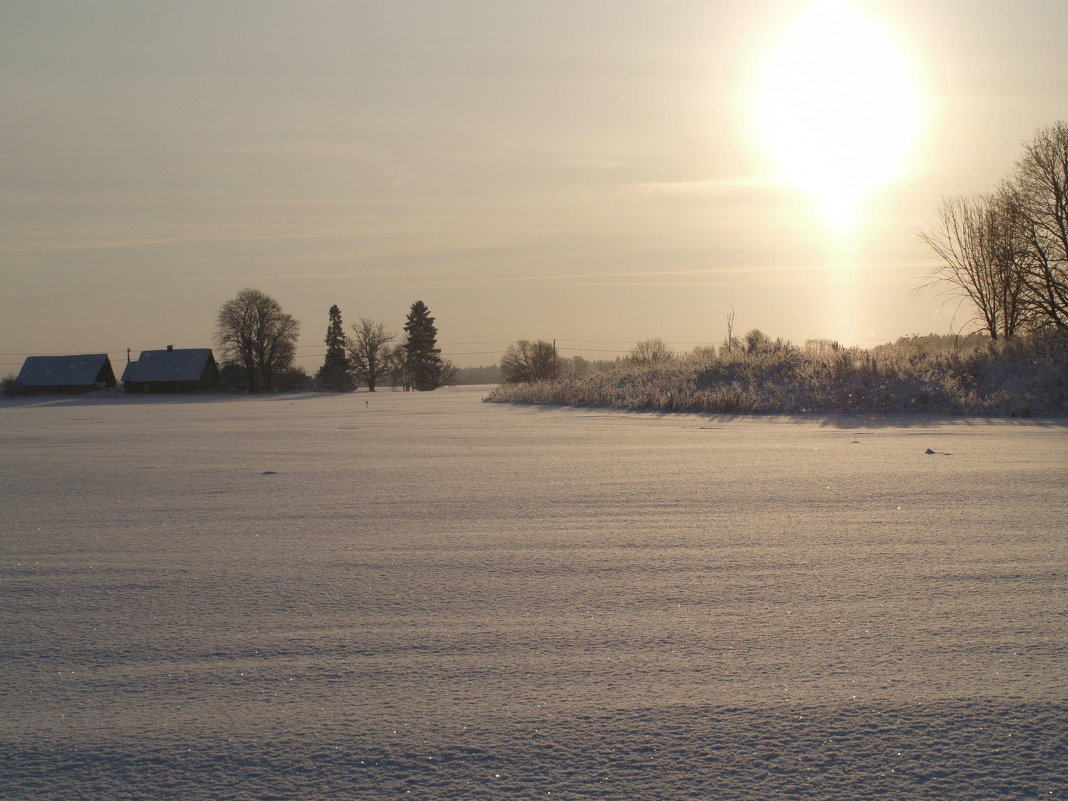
x,y
912,374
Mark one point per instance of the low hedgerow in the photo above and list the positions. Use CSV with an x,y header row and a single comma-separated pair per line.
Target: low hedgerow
x,y
1025,377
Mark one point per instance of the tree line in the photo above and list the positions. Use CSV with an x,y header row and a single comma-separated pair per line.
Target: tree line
x,y
526,362
258,339
1006,252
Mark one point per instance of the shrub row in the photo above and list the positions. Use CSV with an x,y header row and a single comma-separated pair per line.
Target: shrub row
x,y
1021,378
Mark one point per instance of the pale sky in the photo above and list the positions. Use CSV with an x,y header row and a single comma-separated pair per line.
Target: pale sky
x,y
592,171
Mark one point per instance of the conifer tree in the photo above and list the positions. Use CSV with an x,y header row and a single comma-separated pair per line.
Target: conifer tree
x,y
422,354
336,373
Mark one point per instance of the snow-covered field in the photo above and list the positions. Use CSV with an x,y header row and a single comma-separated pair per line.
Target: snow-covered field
x,y
406,595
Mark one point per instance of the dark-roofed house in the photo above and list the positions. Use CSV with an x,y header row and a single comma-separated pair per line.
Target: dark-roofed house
x,y
83,373
172,370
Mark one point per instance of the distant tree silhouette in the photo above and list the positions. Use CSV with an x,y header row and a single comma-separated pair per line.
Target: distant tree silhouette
x,y
336,373
369,352
422,356
651,352
756,341
526,361
484,374
577,365
397,367
449,373
253,331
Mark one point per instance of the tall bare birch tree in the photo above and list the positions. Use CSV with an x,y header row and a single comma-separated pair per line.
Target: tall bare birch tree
x,y
978,241
1041,191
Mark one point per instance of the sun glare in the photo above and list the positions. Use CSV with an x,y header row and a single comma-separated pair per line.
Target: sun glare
x,y
836,108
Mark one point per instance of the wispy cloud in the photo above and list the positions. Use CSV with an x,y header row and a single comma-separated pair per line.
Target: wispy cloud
x,y
731,192
90,154
170,241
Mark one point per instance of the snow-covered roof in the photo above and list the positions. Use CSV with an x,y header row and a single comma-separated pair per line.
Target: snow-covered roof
x,y
179,364
64,371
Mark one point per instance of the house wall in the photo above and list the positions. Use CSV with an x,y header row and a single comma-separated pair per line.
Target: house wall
x,y
156,387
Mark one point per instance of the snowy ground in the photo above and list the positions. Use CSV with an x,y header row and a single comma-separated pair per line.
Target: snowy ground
x,y
307,597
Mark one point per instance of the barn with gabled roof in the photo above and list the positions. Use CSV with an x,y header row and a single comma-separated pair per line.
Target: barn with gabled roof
x,y
172,370
52,374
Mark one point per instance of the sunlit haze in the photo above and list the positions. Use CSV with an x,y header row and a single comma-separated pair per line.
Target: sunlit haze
x,y
837,108
598,173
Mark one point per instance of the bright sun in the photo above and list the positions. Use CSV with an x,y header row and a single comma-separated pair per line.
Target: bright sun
x,y
836,108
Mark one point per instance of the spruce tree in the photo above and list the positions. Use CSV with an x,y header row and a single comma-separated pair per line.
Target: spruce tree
x,y
336,373
422,355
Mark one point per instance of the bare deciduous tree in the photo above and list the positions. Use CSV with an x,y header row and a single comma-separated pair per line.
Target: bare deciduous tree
x,y
1040,190
525,362
396,359
729,342
369,352
979,242
651,352
1007,252
254,332
449,373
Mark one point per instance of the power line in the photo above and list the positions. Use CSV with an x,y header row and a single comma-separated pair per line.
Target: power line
x,y
121,351
597,350
81,351
465,344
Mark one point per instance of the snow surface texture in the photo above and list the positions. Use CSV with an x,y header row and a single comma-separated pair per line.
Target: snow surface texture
x,y
431,597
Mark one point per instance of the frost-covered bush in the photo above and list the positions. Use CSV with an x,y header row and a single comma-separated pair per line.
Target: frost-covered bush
x,y
1023,377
